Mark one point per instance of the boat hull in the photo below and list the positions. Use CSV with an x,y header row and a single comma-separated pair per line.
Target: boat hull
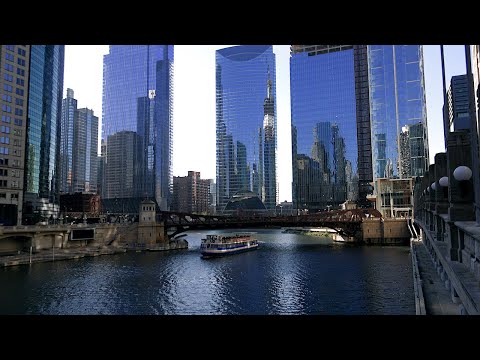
x,y
208,253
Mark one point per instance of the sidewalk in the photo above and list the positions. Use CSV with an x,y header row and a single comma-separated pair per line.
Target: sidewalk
x,y
438,300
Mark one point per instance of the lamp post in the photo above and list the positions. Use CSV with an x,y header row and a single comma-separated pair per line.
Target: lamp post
x,y
443,181
463,174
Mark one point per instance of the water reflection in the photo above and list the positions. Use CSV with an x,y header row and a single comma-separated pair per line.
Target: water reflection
x,y
287,274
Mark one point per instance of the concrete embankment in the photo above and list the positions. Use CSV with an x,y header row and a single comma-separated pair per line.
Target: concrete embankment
x,y
25,258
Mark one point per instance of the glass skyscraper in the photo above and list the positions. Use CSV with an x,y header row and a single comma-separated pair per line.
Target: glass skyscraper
x,y
85,163
397,111
358,114
69,106
42,143
138,98
458,113
324,127
246,123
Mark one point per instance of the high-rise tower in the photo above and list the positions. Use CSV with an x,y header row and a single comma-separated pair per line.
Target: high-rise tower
x,y
15,65
138,102
366,107
42,142
246,123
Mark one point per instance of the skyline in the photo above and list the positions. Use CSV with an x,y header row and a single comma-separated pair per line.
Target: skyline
x,y
194,85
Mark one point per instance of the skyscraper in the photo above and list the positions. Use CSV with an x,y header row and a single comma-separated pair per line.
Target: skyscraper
x,y
86,149
397,100
69,107
138,98
246,123
78,148
15,65
358,114
324,127
458,103
42,144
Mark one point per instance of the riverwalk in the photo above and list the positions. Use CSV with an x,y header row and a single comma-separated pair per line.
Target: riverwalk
x,y
431,295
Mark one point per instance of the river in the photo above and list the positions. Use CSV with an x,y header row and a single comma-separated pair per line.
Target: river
x,y
287,274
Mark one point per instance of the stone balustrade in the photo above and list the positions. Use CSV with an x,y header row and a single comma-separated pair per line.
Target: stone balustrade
x,y
444,211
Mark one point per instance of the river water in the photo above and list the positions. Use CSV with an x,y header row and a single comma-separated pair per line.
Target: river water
x,y
287,274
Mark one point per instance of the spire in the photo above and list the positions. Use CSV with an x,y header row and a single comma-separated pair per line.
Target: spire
x,y
269,83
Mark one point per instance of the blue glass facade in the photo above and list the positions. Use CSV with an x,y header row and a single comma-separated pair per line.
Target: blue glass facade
x,y
44,117
69,106
85,154
246,123
324,128
398,111
138,97
458,104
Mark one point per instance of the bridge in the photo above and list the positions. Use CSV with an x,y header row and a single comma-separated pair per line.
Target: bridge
x,y
348,223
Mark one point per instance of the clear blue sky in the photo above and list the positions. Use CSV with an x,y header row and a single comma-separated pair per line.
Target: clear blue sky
x,y
194,101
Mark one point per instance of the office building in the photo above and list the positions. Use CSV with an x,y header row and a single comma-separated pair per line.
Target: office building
x,y
191,194
45,93
78,148
246,124
138,101
358,114
14,65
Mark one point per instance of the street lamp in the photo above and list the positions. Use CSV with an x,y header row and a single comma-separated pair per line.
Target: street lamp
x,y
462,174
444,184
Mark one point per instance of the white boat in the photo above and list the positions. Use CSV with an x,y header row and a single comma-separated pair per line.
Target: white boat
x,y
227,244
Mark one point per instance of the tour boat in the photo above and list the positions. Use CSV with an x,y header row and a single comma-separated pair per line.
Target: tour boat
x,y
227,244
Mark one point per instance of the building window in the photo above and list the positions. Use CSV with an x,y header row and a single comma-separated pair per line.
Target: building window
x,y
21,52
3,172
20,61
18,102
9,57
14,184
18,112
3,161
20,72
4,150
5,129
10,47
14,196
8,77
16,142
6,108
8,67
20,82
3,183
17,132
4,140
17,152
7,87
7,98
19,91
3,195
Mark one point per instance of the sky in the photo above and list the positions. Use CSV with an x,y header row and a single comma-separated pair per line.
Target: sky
x,y
194,101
